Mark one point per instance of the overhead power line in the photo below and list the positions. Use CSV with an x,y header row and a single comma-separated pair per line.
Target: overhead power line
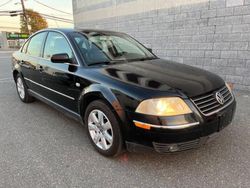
x,y
5,3
56,18
46,16
10,13
52,7
59,20
52,17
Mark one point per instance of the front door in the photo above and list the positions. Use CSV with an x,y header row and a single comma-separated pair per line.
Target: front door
x,y
59,79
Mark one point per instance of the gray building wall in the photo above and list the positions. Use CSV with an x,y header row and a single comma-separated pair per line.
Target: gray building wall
x,y
210,34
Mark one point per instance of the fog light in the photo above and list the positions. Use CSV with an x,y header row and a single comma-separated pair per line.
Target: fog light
x,y
173,148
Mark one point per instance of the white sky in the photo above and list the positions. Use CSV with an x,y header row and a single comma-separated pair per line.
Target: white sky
x,y
14,22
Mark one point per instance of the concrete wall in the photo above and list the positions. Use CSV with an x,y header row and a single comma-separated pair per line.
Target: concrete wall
x,y
211,34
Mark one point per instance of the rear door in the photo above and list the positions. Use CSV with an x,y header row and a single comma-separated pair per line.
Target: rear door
x,y
30,59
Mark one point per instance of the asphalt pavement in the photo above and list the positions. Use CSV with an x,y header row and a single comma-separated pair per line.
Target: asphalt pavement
x,y
41,147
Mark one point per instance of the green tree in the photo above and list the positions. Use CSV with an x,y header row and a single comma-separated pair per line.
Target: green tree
x,y
35,22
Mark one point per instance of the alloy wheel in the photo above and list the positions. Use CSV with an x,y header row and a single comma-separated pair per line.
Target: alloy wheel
x,y
100,129
20,88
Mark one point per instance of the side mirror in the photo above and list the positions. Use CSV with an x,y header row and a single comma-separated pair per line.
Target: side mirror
x,y
150,49
60,58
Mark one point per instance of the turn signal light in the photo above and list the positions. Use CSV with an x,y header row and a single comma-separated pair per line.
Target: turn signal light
x,y
142,125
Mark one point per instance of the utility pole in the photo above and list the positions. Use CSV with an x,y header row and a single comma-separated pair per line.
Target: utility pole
x,y
25,16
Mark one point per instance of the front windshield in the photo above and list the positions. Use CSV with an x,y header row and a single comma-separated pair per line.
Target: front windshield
x,y
98,48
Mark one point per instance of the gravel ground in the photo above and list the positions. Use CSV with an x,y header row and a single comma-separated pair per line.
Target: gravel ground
x,y
41,147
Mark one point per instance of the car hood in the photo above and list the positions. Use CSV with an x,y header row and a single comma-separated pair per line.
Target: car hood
x,y
163,75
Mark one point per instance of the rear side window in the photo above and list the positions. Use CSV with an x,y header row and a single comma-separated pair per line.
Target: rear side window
x,y
56,44
36,44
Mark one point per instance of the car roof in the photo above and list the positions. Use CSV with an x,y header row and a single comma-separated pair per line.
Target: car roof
x,y
98,31
86,31
63,30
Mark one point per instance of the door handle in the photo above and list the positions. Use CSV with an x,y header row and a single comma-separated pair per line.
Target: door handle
x,y
40,68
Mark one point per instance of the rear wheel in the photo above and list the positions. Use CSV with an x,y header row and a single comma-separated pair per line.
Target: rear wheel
x,y
103,129
22,90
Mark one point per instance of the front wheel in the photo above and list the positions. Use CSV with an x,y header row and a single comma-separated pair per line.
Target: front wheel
x,y
103,129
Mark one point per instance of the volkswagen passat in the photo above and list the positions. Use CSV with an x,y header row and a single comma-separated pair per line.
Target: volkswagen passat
x,y
125,95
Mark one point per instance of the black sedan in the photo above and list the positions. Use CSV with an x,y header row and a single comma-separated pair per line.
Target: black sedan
x,y
125,95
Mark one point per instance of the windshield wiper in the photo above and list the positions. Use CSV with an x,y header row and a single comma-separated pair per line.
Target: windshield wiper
x,y
106,62
99,63
118,60
143,59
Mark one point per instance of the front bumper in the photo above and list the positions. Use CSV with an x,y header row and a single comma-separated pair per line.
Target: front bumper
x,y
174,147
171,140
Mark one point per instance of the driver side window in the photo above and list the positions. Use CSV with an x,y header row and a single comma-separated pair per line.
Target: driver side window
x,y
56,44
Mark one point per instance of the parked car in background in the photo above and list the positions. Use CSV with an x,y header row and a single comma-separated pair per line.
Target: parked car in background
x,y
125,95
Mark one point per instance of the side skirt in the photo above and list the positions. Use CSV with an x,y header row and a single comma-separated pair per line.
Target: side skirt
x,y
58,107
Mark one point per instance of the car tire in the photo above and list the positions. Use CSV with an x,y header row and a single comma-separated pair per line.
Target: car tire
x,y
22,90
103,129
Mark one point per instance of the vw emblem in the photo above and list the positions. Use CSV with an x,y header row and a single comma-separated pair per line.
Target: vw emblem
x,y
219,97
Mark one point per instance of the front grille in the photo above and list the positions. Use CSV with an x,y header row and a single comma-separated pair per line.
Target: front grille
x,y
166,148
208,104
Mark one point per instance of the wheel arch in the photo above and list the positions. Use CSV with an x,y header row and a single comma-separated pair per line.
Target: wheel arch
x,y
98,92
15,73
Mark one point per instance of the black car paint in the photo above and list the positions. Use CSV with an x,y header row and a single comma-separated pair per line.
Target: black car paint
x,y
123,86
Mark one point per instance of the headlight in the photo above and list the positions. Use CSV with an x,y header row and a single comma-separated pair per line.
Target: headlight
x,y
170,106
